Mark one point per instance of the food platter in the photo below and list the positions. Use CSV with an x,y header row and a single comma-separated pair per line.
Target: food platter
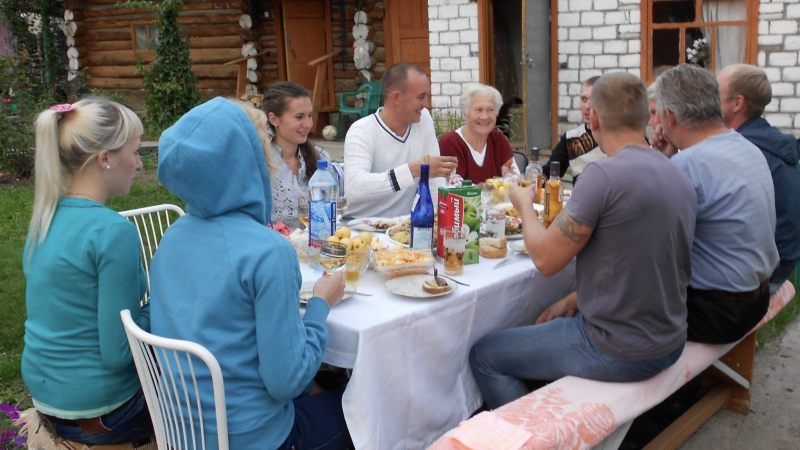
x,y
411,286
398,228
307,291
377,224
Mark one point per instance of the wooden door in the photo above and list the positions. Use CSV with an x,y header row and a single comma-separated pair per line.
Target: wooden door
x,y
408,33
307,36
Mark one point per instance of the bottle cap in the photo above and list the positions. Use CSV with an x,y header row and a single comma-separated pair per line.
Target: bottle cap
x,y
426,159
534,153
322,164
555,169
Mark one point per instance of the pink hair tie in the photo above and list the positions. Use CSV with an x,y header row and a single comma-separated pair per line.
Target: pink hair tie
x,y
63,108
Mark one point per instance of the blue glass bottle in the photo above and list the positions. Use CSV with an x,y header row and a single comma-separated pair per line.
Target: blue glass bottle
x,y
422,211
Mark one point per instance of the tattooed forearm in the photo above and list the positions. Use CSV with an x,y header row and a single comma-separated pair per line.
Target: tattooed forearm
x,y
569,228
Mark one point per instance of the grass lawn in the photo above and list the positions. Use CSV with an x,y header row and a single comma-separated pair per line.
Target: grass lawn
x,y
16,204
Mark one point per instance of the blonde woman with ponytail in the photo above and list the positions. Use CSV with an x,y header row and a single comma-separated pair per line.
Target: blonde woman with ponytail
x,y
83,267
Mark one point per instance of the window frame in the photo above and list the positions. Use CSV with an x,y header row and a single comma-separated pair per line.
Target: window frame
x,y
149,24
751,44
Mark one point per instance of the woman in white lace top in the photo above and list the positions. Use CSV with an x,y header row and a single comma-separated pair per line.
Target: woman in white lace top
x,y
289,113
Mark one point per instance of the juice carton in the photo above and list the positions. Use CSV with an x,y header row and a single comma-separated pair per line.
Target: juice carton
x,y
460,205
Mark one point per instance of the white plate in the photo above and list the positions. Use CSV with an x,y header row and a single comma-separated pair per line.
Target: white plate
x,y
518,246
307,291
411,286
366,223
391,241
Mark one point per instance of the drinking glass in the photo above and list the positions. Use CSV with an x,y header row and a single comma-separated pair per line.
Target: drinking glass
x,y
487,192
526,179
496,224
355,265
302,211
341,207
332,256
455,243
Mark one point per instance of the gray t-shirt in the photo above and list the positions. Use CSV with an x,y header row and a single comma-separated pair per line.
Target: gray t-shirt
x,y
633,273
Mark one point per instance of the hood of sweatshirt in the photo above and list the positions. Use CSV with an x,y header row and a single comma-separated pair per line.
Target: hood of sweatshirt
x,y
213,160
770,140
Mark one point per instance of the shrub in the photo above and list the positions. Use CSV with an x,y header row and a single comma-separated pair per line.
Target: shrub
x,y
169,83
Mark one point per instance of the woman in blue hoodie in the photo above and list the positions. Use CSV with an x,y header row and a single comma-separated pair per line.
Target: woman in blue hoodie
x,y
222,279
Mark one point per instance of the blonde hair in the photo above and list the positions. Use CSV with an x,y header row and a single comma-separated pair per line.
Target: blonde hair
x,y
750,82
265,134
65,143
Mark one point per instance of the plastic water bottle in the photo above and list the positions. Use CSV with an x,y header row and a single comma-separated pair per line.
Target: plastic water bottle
x,y
324,191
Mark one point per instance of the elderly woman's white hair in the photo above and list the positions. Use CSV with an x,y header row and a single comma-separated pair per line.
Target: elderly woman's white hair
x,y
480,90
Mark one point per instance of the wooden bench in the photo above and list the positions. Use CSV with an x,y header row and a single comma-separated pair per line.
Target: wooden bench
x,y
574,413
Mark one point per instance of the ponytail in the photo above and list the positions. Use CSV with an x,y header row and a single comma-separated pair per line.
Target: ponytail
x,y
309,152
50,182
67,138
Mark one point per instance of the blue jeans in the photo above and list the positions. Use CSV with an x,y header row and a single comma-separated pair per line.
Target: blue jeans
x,y
502,359
318,423
128,423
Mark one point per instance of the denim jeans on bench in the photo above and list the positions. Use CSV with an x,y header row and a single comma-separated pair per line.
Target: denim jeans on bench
x,y
502,359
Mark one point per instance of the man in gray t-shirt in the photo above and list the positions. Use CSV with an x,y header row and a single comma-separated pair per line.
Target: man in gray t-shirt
x,y
630,222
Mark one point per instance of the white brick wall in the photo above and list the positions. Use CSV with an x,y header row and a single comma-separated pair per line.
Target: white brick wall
x,y
601,36
453,26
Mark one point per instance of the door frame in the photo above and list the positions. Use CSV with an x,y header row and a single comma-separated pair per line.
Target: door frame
x,y
280,43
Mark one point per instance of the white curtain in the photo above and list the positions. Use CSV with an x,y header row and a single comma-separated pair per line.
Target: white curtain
x,y
731,41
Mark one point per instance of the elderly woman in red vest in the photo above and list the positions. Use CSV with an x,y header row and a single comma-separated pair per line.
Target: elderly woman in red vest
x,y
482,150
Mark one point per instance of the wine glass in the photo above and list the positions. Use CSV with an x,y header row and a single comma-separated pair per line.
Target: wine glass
x,y
487,192
332,256
341,207
302,211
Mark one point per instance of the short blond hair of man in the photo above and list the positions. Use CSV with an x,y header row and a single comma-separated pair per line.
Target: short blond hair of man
x,y
620,100
752,83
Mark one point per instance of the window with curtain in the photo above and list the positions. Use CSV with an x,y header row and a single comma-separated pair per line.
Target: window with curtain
x,y
709,33
145,36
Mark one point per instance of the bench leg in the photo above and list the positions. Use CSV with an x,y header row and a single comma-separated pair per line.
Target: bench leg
x,y
741,359
691,420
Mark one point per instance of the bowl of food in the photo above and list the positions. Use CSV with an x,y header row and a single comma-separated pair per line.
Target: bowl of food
x,y
400,262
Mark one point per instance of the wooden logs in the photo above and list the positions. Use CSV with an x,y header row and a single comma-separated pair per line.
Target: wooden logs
x,y
249,34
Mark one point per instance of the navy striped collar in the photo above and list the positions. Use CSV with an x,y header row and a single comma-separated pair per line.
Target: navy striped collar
x,y
388,130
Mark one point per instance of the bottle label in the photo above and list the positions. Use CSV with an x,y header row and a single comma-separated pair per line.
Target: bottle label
x,y
421,237
561,193
547,203
321,222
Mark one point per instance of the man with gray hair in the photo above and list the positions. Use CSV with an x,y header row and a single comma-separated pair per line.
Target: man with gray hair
x,y
745,92
734,249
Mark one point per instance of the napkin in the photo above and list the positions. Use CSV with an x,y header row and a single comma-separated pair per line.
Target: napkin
x,y
487,431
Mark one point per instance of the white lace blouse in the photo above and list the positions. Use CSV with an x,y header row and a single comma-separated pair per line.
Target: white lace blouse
x,y
290,187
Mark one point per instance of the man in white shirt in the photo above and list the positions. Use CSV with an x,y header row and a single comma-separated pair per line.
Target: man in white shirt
x,y
383,151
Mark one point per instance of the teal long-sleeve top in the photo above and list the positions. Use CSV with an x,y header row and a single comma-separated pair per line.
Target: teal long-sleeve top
x,y
86,271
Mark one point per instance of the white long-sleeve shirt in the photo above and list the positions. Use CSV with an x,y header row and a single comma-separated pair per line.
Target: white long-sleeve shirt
x,y
378,180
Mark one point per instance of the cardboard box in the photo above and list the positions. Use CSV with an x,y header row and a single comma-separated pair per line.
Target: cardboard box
x,y
459,205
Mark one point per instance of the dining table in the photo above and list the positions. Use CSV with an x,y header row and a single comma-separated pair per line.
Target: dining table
x,y
411,380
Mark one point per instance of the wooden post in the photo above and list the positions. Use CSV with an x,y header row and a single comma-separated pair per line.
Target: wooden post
x,y
241,78
316,96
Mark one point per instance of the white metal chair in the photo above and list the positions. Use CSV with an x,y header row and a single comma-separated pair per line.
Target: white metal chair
x,y
151,223
166,369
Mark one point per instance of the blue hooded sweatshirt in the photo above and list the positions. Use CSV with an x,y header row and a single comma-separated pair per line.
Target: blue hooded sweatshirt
x,y
222,279
781,151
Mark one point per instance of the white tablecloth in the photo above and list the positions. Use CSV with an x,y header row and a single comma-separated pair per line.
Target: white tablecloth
x,y
411,378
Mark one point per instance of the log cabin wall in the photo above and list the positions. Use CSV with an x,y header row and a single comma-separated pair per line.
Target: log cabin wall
x,y
101,40
103,43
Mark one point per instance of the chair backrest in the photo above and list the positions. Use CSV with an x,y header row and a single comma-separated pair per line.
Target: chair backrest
x,y
521,159
166,369
373,101
151,223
